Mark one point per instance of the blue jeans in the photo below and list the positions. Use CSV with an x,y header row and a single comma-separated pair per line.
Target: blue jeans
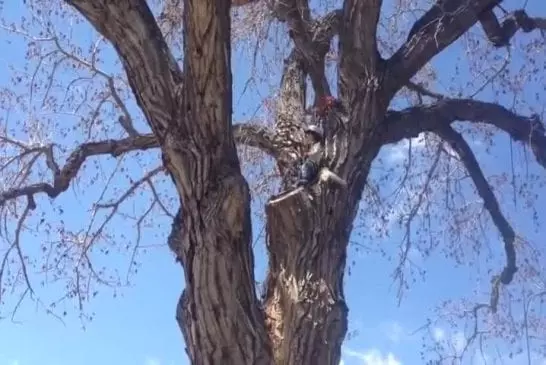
x,y
308,173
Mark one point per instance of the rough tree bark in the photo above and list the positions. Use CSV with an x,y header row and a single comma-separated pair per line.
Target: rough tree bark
x,y
302,320
190,113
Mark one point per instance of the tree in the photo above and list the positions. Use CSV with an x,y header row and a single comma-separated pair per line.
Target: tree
x,y
187,104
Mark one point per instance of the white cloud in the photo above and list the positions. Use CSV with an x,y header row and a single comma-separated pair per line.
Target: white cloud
x,y
152,361
373,357
399,151
455,341
393,330
438,334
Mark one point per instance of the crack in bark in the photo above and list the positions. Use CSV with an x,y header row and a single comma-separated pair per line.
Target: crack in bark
x,y
304,301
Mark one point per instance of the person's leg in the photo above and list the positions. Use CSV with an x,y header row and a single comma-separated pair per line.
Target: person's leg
x,y
308,173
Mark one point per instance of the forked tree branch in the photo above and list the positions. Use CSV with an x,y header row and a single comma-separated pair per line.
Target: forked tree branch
x,y
443,24
410,122
312,37
459,145
246,134
500,34
63,176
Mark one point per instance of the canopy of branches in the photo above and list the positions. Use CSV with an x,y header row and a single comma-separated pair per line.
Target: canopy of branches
x,y
134,113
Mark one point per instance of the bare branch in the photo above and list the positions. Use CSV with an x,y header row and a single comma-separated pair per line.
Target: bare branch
x,y
114,205
248,134
411,216
16,245
138,238
485,191
443,24
423,91
63,176
412,121
438,117
125,120
257,136
134,33
127,124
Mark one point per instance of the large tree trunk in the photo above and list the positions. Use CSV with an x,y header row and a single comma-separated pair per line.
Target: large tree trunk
x,y
190,114
305,306
307,236
218,312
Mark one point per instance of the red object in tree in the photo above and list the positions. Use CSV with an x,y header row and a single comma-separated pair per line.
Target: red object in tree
x,y
326,104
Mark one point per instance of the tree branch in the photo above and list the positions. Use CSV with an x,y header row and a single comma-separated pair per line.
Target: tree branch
x,y
292,96
153,73
500,34
257,136
290,110
358,53
423,91
490,202
63,176
247,134
311,37
443,24
358,33
412,121
437,118
241,2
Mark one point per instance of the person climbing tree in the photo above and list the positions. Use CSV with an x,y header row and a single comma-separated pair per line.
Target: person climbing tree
x,y
314,121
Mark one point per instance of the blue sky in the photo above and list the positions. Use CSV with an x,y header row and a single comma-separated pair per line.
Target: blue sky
x,y
134,323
